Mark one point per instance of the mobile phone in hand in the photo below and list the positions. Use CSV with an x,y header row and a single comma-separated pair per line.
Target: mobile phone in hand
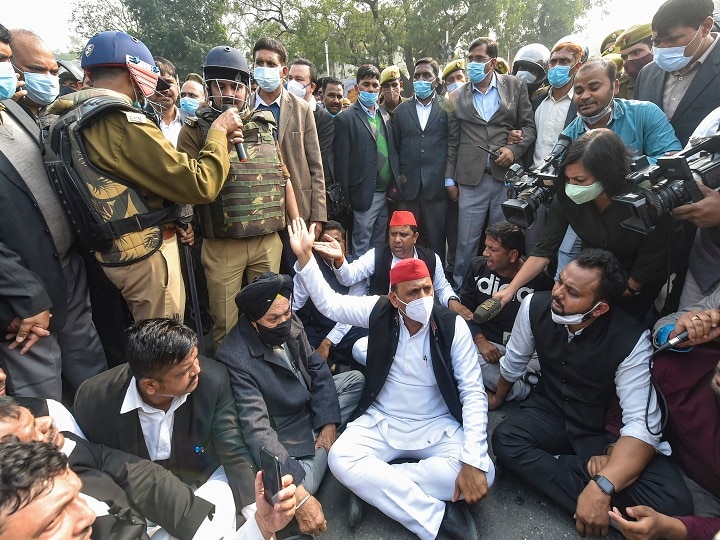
x,y
270,465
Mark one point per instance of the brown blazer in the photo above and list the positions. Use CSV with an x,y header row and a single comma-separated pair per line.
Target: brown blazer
x,y
465,162
300,148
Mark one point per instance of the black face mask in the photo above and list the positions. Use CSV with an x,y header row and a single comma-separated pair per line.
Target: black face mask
x,y
274,336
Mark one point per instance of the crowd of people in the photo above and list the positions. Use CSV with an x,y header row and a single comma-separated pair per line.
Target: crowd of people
x,y
374,276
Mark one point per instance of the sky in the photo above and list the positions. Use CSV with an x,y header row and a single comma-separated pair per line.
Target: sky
x,y
50,19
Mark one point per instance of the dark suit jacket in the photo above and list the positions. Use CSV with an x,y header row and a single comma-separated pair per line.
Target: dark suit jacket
x,y
206,433
421,152
356,155
466,129
325,125
701,97
571,115
276,410
31,276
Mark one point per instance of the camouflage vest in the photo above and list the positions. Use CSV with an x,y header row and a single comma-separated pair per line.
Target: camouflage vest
x,y
252,201
110,215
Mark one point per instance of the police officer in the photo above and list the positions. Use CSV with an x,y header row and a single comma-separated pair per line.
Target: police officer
x,y
127,146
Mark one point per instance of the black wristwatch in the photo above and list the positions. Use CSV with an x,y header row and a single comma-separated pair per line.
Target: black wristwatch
x,y
604,484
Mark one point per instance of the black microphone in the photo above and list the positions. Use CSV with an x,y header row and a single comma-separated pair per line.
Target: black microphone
x,y
556,153
239,148
487,310
673,342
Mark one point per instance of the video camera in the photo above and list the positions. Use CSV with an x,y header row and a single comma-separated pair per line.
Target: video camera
x,y
673,182
533,188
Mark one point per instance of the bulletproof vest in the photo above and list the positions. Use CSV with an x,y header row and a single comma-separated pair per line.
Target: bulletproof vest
x,y
252,201
110,215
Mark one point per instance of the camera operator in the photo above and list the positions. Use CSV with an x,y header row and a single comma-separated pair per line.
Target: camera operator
x,y
594,171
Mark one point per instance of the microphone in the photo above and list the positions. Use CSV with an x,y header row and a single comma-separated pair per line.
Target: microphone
x,y
556,153
487,310
239,148
673,342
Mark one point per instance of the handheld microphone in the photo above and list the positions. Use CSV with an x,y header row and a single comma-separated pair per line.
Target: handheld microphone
x,y
239,148
487,310
673,342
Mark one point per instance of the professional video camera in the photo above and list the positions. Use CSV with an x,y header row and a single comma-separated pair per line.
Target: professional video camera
x,y
533,188
673,182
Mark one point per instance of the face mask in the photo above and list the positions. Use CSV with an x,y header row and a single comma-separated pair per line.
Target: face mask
x,y
583,194
419,310
423,89
559,76
454,86
267,78
476,71
526,76
41,87
673,58
368,99
189,105
8,80
274,336
296,88
594,119
576,318
633,67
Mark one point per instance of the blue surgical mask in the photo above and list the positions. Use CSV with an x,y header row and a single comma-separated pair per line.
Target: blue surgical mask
x,y
673,58
267,78
559,76
189,105
476,71
42,88
454,86
526,76
368,99
8,80
423,89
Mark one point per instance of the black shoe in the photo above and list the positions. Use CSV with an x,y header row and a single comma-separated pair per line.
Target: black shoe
x,y
457,523
355,510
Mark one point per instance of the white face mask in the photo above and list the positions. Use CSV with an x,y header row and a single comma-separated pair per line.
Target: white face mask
x,y
419,310
575,318
295,87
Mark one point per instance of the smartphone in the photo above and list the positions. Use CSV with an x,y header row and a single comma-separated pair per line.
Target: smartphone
x,y
270,465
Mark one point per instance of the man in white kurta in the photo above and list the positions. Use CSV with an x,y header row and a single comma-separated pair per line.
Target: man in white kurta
x,y
409,417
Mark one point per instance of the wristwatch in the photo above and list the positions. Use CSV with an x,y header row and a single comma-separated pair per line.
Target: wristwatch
x,y
604,484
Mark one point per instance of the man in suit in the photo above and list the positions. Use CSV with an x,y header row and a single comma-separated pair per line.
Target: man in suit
x,y
289,403
684,77
486,111
172,407
367,161
420,130
44,303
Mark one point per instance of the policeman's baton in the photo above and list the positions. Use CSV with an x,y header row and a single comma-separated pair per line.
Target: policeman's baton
x,y
194,298
239,148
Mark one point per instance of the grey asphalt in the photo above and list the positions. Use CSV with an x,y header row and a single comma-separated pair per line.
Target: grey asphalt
x,y
510,512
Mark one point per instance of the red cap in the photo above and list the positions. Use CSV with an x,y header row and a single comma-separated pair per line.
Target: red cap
x,y
408,270
403,217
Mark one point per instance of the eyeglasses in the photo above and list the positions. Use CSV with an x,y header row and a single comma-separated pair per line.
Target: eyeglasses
x,y
480,59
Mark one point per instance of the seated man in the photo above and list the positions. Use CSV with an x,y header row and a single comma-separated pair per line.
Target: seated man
x,y
424,400
173,407
691,385
42,496
589,351
332,340
288,401
487,274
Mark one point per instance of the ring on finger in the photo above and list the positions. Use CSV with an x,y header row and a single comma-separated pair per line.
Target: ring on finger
x,y
695,318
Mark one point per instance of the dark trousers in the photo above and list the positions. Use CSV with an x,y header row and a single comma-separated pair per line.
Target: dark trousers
x,y
431,217
527,441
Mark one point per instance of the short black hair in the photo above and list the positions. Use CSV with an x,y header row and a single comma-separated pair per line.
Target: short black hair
x,y
681,13
331,80
431,62
331,225
613,277
271,44
5,35
300,61
9,408
367,71
154,346
491,46
106,72
27,469
508,235
603,62
166,67
602,154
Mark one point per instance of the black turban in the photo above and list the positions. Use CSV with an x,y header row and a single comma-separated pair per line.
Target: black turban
x,y
257,297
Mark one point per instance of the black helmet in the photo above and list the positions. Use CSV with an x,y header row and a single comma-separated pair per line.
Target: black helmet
x,y
224,62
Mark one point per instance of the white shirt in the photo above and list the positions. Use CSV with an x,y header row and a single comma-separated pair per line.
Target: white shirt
x,y
423,111
632,378
172,130
157,425
411,380
364,267
551,115
259,101
709,126
301,296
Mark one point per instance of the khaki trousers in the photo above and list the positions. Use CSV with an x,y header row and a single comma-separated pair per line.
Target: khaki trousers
x,y
226,262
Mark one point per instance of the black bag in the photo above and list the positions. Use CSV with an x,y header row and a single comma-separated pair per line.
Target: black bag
x,y
336,203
